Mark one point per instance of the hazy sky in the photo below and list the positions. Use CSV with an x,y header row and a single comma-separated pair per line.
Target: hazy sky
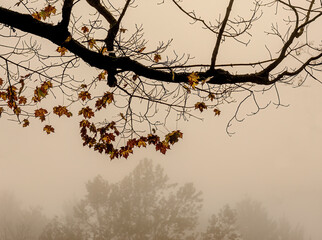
x,y
274,157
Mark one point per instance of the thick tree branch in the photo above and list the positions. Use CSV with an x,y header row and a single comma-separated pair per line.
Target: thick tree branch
x,y
102,10
66,12
54,34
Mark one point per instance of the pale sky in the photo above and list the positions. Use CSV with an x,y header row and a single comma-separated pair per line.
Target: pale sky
x,y
275,157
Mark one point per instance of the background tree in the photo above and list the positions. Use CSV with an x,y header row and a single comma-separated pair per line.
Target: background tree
x,y
144,205
17,223
254,223
132,80
223,226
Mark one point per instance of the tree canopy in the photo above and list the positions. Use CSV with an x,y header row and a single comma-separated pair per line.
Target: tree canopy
x,y
90,58
144,205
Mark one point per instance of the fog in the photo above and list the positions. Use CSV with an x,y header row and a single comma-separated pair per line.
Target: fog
x,y
274,157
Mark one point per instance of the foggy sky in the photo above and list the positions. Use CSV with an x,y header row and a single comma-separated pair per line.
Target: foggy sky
x,y
274,157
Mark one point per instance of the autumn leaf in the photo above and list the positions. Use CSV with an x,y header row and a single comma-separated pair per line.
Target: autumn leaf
x,y
36,15
1,81
141,142
103,50
41,114
142,49
62,110
201,106
157,58
25,123
4,96
49,129
102,75
153,139
217,112
107,98
193,79
84,123
114,154
123,30
22,100
17,110
86,112
211,96
1,110
68,39
125,151
91,43
162,147
173,137
49,10
83,86
108,137
61,50
83,95
85,29
44,13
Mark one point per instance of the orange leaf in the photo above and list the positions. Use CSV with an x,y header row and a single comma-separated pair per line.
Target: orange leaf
x,y
1,81
61,50
49,129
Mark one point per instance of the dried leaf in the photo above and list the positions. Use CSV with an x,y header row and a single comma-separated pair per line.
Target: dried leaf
x,y
49,129
157,58
201,106
217,112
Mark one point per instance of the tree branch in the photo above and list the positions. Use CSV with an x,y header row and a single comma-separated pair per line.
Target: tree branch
x,y
220,35
54,34
102,10
66,12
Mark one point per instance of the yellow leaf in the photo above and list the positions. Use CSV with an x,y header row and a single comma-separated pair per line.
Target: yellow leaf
x,y
61,50
91,43
193,79
68,39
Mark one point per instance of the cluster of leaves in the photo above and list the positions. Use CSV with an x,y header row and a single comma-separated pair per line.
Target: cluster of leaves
x,y
102,140
44,13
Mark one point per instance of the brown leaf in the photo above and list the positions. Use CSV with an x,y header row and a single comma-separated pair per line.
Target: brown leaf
x,y
49,129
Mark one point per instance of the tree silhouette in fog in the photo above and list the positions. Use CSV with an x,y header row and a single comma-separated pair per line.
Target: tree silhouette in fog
x,y
144,205
17,223
90,58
